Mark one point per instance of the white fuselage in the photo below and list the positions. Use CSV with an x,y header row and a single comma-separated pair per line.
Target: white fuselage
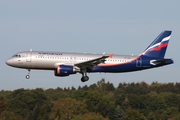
x,y
50,60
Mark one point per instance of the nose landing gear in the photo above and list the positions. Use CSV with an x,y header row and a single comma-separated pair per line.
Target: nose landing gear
x,y
28,75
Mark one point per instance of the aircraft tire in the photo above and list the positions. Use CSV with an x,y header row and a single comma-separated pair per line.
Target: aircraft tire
x,y
27,76
84,78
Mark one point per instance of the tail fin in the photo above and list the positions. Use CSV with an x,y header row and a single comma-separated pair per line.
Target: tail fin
x,y
158,47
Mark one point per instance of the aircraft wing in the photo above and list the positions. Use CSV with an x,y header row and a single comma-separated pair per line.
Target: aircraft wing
x,y
94,62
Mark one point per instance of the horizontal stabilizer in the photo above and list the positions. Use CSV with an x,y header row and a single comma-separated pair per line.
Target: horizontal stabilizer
x,y
159,62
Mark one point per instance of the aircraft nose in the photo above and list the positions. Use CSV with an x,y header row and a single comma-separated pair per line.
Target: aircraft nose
x,y
9,62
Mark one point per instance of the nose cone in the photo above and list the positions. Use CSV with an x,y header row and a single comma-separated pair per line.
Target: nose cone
x,y
9,62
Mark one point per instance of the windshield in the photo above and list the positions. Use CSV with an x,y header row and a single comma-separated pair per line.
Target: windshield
x,y
17,56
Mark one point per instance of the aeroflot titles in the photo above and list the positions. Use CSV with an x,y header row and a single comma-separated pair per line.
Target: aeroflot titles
x,y
50,53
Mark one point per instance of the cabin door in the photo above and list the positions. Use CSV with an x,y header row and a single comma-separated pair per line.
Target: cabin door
x,y
28,56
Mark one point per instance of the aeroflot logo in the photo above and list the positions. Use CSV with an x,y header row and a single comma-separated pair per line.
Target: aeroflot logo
x,y
44,53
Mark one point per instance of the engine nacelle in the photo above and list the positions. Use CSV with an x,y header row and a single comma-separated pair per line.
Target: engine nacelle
x,y
64,70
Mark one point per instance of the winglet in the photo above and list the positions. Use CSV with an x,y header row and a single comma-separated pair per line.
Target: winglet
x,y
111,55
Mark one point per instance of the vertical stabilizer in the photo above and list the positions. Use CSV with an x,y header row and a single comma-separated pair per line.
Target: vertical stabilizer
x,y
158,47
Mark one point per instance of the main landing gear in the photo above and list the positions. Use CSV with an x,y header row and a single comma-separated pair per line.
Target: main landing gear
x,y
84,77
28,75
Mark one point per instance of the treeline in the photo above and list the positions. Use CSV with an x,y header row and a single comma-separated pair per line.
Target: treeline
x,y
100,101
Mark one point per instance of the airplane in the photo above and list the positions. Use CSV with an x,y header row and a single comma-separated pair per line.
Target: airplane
x,y
67,63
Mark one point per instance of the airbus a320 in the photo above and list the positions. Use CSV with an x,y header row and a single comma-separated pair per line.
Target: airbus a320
x,y
66,63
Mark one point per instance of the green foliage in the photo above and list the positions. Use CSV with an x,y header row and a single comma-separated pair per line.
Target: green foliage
x,y
79,94
64,109
89,116
177,117
116,113
134,114
2,104
170,113
26,102
99,101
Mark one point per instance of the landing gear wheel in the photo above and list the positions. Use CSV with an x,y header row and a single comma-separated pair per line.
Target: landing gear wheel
x,y
27,76
84,75
84,78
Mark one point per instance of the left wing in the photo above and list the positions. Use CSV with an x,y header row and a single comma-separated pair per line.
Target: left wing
x,y
94,62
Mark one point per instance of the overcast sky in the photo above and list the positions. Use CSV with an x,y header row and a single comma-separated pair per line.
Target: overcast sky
x,y
94,26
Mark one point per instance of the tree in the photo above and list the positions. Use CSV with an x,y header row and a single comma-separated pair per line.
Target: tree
x,y
133,114
177,117
156,102
116,113
171,99
79,94
66,109
109,87
93,87
24,102
101,86
89,116
98,103
85,87
2,104
170,113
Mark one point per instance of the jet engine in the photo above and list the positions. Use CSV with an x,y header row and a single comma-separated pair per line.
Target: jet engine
x,y
64,70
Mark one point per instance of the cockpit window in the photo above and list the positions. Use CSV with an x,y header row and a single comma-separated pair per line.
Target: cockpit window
x,y
17,56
